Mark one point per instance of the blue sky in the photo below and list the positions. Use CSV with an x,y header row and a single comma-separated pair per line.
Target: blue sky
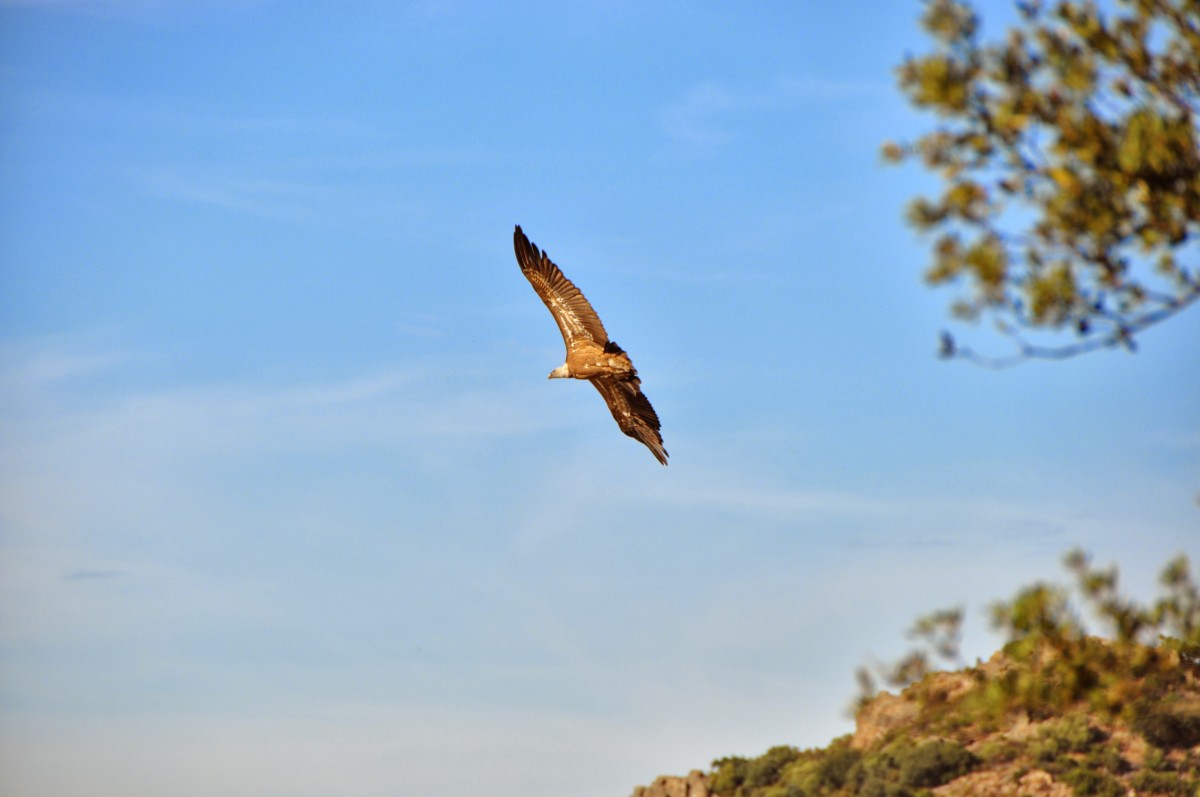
x,y
287,503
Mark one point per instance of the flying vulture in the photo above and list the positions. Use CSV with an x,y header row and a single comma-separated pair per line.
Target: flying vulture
x,y
590,354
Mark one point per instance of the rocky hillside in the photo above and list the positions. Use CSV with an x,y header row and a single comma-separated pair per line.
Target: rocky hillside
x,y
1058,712
1091,718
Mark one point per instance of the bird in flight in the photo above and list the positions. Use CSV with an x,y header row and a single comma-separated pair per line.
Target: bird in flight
x,y
590,354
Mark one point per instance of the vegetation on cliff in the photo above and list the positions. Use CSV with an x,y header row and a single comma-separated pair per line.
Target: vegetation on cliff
x,y
1058,711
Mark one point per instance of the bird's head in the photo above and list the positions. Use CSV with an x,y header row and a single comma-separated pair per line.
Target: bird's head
x,y
560,372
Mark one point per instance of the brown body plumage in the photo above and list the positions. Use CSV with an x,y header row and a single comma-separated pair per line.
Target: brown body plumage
x,y
590,354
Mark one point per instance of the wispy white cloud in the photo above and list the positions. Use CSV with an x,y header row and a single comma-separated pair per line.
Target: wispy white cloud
x,y
123,455
381,409
704,116
290,194
1181,440
59,366
92,575
330,170
30,366
694,119
876,519
281,199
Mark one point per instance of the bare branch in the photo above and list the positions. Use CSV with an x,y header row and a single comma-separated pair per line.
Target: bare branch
x,y
1121,336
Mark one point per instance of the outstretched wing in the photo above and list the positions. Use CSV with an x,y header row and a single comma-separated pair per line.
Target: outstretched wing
x,y
633,413
572,312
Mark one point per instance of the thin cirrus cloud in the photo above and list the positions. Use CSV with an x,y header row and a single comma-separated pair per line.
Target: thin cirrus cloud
x,y
255,196
704,117
129,452
55,366
380,408
86,574
289,200
362,200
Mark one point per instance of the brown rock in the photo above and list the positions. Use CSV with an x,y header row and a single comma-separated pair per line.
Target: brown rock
x,y
884,713
695,784
1006,781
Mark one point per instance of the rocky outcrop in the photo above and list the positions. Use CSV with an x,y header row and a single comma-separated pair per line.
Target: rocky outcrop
x,y
695,784
887,712
881,716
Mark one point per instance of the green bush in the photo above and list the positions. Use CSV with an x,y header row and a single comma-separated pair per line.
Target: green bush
x,y
1071,735
834,770
1107,758
935,763
784,791
1169,729
729,774
764,770
1171,784
878,787
1090,783
735,775
900,768
999,750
